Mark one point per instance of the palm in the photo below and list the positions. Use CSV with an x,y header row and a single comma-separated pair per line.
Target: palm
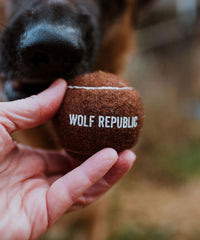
x,y
23,188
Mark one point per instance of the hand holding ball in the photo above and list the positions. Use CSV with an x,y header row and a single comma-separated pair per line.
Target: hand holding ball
x,y
99,110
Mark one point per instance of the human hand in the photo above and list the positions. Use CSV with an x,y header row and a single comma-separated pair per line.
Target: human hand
x,y
38,186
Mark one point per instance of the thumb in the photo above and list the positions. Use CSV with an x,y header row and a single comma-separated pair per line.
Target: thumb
x,y
32,111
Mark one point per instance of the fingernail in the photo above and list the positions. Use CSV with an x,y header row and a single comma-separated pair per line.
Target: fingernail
x,y
58,82
131,156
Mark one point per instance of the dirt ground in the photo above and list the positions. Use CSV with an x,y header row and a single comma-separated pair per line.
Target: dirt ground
x,y
150,204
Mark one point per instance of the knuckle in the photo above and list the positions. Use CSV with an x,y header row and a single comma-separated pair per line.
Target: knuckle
x,y
39,108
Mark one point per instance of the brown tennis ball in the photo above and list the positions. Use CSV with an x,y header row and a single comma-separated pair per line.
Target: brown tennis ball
x,y
99,110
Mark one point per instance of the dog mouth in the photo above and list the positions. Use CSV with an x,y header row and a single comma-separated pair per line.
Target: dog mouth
x,y
14,89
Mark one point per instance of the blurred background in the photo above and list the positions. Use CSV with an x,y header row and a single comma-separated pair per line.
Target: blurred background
x,y
160,198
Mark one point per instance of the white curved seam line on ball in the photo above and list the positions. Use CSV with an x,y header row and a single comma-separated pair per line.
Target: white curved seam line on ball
x,y
100,88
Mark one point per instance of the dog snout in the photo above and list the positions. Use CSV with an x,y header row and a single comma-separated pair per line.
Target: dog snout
x,y
51,50
46,40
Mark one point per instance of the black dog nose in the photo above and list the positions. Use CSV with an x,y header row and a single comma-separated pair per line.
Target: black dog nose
x,y
51,49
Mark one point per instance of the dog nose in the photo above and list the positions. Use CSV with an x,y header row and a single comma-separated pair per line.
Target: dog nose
x,y
51,49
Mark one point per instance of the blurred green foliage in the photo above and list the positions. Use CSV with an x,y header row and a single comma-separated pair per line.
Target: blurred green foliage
x,y
184,163
142,233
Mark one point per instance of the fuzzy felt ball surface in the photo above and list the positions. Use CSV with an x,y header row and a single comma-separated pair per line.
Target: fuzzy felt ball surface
x,y
99,110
